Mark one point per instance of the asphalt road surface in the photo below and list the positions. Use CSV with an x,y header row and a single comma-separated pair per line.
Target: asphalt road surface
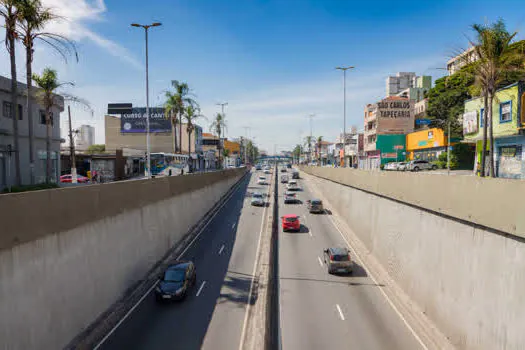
x,y
323,311
213,314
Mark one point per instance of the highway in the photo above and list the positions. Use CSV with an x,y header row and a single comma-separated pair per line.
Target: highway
x,y
323,311
213,315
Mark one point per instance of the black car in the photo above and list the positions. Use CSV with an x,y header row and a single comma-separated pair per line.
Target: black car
x,y
295,175
175,281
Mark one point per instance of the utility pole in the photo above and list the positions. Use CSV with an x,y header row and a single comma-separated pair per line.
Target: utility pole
x,y
344,69
74,177
246,135
448,149
148,150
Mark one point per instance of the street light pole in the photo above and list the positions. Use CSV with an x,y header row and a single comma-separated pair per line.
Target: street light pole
x,y
344,69
448,149
148,147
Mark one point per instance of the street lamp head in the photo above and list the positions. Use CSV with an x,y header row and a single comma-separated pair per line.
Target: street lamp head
x,y
135,25
345,68
156,24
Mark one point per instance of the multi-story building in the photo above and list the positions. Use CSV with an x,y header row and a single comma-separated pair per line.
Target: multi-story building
x,y
321,151
86,137
508,122
28,171
461,60
386,124
407,84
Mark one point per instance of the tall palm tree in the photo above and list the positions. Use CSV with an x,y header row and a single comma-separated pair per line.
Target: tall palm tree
x,y
496,61
33,18
9,13
191,114
218,126
319,140
180,99
308,143
48,84
171,112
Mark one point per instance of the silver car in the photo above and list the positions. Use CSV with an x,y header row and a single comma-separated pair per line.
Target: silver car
x,y
338,260
257,199
417,165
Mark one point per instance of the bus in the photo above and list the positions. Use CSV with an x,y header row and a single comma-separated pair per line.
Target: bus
x,y
165,164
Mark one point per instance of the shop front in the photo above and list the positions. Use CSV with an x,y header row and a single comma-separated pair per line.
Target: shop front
x,y
510,157
426,144
391,148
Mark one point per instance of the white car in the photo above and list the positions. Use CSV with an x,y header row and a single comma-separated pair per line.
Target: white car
x,y
290,197
261,180
292,185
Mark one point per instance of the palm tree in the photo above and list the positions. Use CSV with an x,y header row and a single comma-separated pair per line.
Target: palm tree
x,y
308,143
48,84
319,140
496,61
191,114
33,18
9,13
178,101
218,125
171,112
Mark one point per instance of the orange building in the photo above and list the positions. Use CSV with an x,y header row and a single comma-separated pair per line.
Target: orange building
x,y
426,144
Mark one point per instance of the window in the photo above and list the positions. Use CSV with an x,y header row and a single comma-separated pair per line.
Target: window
x,y
43,117
505,112
481,111
7,110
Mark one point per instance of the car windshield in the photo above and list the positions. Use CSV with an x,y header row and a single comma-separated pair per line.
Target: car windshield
x,y
293,219
340,257
257,195
316,202
174,275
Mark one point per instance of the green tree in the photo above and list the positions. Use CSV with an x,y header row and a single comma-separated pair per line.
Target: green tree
x,y
33,17
497,61
9,13
217,126
175,106
96,149
297,152
191,114
48,84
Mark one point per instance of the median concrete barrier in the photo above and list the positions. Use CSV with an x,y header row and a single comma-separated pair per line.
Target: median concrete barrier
x,y
453,244
66,255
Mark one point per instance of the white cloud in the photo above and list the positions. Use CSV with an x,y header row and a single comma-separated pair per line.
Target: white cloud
x,y
75,15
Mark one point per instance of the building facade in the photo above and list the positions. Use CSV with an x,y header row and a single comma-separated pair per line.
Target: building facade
x,y
461,60
391,116
426,144
159,141
508,122
7,149
86,137
407,84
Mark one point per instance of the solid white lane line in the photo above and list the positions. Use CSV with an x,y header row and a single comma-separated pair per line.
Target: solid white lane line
x,y
340,312
380,289
200,288
155,284
220,250
310,233
243,332
320,261
233,226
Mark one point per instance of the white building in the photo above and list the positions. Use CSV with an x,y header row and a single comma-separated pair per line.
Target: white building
x,y
461,60
86,137
407,84
7,145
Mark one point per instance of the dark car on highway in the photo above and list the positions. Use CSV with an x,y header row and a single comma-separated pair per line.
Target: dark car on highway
x,y
295,175
315,206
175,281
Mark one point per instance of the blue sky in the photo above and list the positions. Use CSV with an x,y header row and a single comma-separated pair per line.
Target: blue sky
x,y
273,61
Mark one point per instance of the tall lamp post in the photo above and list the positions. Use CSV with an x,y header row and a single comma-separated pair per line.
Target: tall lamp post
x,y
148,150
344,69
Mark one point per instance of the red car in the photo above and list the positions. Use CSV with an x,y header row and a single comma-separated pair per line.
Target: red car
x,y
290,222
67,178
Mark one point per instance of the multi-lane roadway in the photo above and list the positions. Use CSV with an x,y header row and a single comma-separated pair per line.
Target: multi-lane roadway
x,y
323,311
213,316
317,310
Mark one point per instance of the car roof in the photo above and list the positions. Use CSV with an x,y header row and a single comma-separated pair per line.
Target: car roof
x,y
290,216
338,251
178,264
257,194
315,200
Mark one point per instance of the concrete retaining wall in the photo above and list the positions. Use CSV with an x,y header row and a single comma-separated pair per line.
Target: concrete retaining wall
x,y
83,247
468,279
